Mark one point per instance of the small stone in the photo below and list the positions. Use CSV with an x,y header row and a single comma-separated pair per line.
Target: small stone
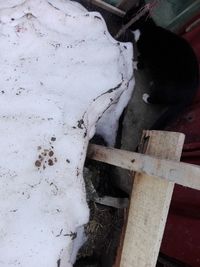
x,y
51,153
37,163
50,162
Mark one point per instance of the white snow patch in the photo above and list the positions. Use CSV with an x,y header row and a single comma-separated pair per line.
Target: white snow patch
x,y
60,71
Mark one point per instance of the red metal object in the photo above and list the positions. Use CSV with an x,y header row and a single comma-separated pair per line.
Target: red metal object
x,y
181,239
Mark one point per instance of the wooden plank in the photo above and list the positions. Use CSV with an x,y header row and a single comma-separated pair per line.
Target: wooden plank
x,y
181,173
108,7
127,4
149,203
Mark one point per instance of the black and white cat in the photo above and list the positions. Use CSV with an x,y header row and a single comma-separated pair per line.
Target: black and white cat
x,y
172,64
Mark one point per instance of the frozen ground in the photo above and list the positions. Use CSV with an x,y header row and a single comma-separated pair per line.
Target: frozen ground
x,y
62,77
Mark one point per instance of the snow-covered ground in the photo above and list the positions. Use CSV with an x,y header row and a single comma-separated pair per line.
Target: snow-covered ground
x,y
60,71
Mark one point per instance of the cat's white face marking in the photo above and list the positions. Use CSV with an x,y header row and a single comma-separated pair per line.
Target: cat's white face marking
x,y
136,34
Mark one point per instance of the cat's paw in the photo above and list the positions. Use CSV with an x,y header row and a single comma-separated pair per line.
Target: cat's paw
x,y
145,98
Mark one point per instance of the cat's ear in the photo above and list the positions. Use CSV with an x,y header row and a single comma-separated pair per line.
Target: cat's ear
x,y
136,34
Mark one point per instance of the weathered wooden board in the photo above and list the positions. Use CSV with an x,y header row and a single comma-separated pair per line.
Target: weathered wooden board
x,y
127,4
108,7
151,196
180,173
149,204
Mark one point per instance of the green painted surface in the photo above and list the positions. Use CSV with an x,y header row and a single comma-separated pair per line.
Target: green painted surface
x,y
112,2
173,14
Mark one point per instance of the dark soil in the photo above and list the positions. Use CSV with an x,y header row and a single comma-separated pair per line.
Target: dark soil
x,y
105,224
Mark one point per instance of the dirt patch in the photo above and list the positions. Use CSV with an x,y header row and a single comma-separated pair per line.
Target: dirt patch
x,y
105,224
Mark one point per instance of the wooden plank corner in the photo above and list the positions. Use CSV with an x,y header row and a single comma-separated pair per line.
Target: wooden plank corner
x,y
149,204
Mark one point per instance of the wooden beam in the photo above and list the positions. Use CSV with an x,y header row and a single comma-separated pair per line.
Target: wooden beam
x,y
149,204
108,7
181,173
127,4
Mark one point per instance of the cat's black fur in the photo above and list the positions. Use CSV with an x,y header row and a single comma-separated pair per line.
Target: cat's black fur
x,y
172,64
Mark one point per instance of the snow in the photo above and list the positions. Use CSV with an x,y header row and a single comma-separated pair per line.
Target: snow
x,y
63,77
